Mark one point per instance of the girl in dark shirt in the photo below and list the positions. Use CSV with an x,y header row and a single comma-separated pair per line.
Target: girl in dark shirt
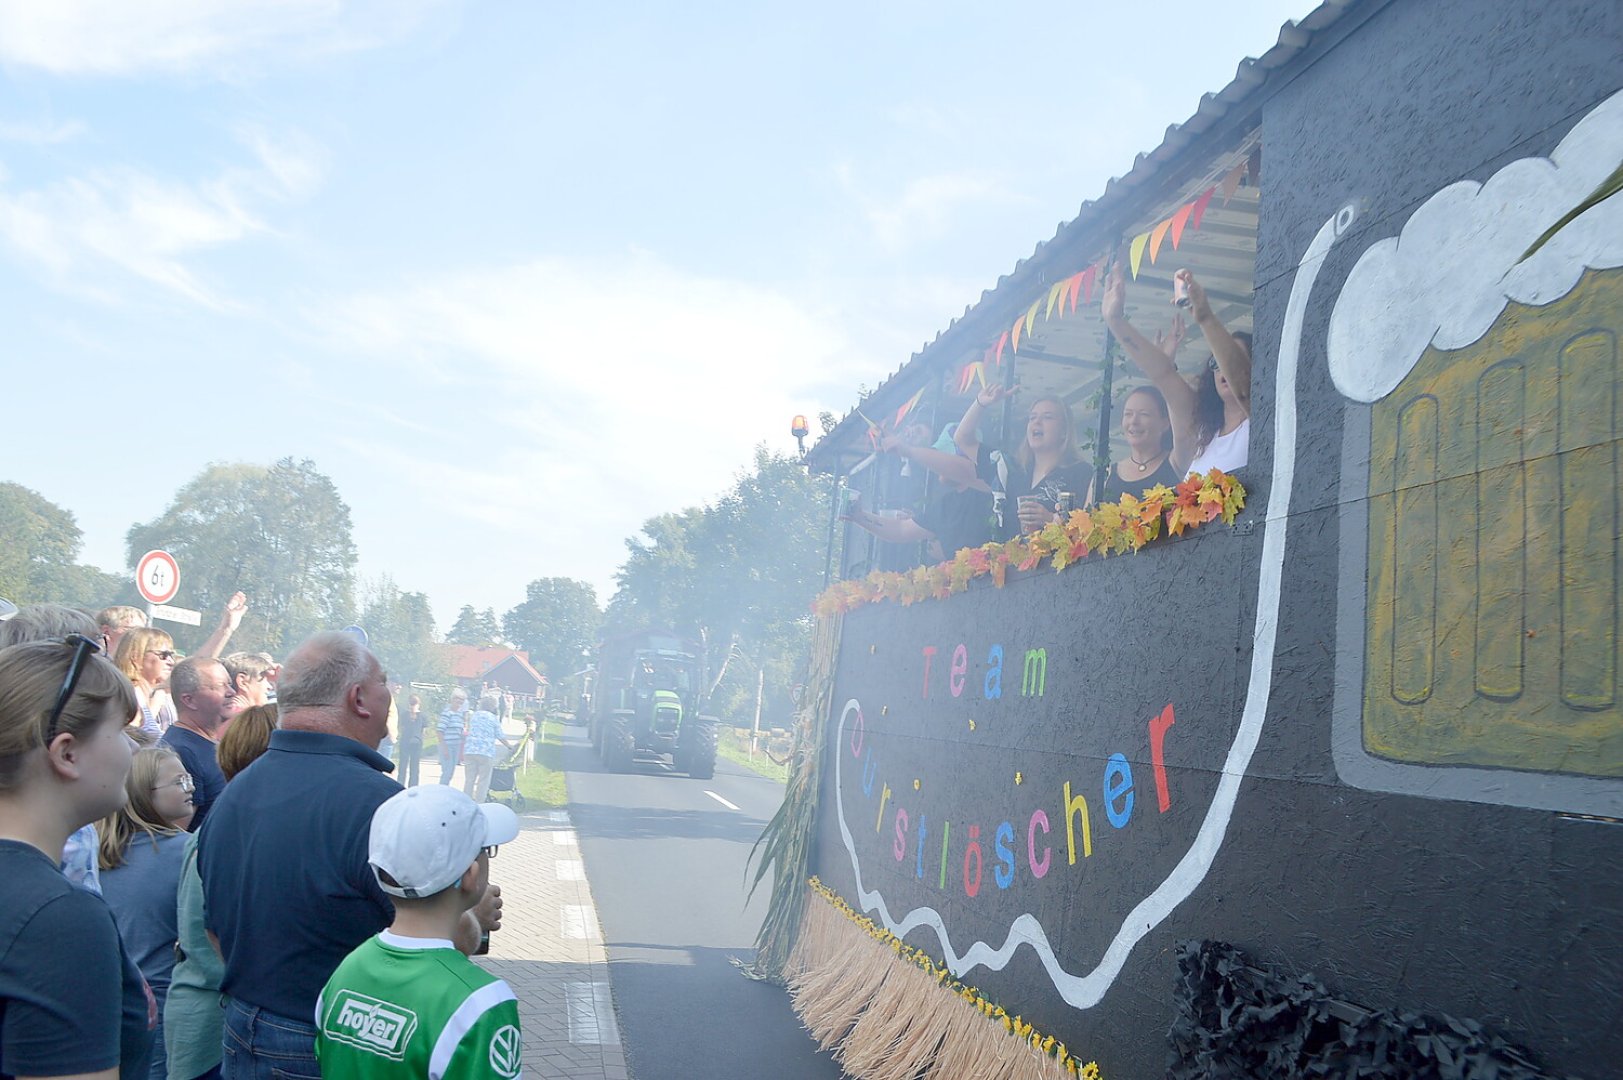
x,y
71,1000
1043,467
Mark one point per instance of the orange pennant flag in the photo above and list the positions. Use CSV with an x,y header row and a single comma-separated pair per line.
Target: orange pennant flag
x,y
901,414
1073,285
1231,182
1135,253
1054,295
1198,207
1031,315
1179,220
1157,236
1003,339
963,378
1014,334
1089,277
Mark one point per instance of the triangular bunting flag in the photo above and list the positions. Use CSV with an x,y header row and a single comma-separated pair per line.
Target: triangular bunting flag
x,y
1135,253
963,379
1073,285
1003,339
1090,277
1198,207
1156,236
1031,315
980,373
1014,334
901,414
1231,182
1054,294
1179,220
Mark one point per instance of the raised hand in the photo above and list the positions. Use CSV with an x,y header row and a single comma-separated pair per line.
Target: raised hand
x,y
1172,338
1113,301
1200,306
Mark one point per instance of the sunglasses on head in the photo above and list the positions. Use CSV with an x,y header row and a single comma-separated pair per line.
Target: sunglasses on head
x,y
82,647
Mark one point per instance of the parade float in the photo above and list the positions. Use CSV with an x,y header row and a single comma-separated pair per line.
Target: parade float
x,y
1315,768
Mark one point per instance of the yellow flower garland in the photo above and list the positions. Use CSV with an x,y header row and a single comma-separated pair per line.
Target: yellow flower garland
x,y
1014,1025
1107,529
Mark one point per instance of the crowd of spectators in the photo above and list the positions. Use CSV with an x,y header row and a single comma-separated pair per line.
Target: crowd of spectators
x,y
1174,425
186,864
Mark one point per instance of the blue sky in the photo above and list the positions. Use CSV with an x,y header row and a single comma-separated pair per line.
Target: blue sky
x,y
519,276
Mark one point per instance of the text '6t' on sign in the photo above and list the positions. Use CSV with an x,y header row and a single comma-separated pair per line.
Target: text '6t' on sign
x,y
157,575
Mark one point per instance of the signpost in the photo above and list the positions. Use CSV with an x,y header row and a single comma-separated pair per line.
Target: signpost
x,y
157,576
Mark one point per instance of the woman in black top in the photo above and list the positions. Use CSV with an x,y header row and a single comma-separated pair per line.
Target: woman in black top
x,y
1044,466
1146,423
71,1000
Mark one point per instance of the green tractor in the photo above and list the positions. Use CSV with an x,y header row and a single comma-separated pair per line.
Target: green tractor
x,y
646,701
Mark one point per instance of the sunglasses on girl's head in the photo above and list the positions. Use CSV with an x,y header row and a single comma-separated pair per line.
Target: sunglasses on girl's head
x,y
82,647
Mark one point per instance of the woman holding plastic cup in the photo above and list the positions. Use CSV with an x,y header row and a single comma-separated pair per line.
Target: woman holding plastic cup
x,y
1043,471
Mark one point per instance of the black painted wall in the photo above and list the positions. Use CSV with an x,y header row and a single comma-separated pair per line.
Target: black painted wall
x,y
1510,916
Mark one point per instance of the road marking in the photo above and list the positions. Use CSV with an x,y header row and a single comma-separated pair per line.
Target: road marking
x,y
719,799
591,1014
560,817
579,922
564,838
570,870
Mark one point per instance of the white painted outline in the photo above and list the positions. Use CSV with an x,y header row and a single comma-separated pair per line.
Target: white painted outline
x,y
1086,991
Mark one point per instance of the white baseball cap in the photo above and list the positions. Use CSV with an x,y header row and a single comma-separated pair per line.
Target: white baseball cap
x,y
425,838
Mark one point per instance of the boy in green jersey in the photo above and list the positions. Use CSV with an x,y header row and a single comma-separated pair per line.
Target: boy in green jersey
x,y
406,1003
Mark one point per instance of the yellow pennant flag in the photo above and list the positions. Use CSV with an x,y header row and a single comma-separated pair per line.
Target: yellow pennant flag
x,y
1135,253
1014,334
1054,295
1031,316
1157,236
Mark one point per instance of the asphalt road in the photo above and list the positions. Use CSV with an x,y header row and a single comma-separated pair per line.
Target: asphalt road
x,y
665,858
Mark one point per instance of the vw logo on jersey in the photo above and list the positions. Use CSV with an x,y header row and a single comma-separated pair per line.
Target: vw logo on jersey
x,y
505,1051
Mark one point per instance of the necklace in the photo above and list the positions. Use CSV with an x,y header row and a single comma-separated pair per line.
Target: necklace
x,y
1143,466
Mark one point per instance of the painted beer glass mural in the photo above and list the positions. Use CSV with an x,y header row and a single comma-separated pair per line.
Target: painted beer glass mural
x,y
1481,574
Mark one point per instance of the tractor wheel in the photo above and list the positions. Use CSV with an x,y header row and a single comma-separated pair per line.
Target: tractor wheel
x,y
700,756
618,745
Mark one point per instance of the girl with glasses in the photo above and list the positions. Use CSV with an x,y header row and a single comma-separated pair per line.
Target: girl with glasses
x,y
73,1000
142,846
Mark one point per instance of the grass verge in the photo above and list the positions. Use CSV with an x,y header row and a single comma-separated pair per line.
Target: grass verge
x,y
543,782
734,745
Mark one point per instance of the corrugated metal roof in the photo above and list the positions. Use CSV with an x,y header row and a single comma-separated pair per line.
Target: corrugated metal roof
x,y
1241,96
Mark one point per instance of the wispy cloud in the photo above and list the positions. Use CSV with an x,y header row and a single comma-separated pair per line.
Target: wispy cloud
x,y
40,132
91,233
114,38
627,385
926,207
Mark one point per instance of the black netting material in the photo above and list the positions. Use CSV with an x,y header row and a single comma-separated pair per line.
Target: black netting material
x,y
1235,1021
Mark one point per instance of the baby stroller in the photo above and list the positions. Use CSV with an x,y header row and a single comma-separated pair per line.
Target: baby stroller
x,y
503,778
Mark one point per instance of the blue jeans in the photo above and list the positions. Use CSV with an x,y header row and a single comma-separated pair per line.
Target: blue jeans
x,y
261,1045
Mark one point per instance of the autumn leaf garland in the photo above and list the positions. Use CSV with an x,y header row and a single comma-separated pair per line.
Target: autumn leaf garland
x,y
1107,529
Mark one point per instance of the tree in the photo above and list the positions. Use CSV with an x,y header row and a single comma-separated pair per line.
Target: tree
x,y
557,622
475,627
740,574
280,534
400,626
39,554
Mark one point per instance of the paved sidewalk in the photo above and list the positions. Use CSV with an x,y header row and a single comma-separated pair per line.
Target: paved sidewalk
x,y
550,951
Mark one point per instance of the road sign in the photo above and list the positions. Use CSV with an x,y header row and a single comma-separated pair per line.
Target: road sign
x,y
177,614
157,575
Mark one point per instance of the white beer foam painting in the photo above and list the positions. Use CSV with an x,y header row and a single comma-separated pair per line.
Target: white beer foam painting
x,y
1458,261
